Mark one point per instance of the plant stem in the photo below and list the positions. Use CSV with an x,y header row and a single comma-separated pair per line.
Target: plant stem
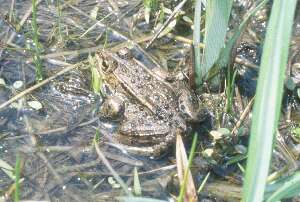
x,y
196,45
186,172
35,39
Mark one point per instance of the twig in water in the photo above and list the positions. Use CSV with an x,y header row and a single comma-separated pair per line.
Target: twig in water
x,y
176,9
113,172
243,116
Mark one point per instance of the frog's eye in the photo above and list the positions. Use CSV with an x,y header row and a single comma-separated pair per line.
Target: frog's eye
x,y
125,53
105,62
108,65
112,109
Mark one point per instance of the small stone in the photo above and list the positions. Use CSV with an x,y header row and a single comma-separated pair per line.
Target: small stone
x,y
224,131
2,82
18,85
216,134
35,105
241,149
208,153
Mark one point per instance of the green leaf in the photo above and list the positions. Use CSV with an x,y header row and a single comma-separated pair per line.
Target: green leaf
x,y
226,51
290,84
196,44
217,16
94,12
286,188
268,98
186,172
96,76
296,132
7,169
150,5
17,178
136,183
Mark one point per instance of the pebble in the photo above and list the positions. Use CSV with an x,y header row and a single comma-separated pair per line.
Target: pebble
x,y
208,152
2,82
35,105
18,85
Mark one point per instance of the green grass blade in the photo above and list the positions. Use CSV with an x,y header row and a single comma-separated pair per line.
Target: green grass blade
x,y
17,180
196,44
35,39
216,25
203,183
268,98
226,52
190,161
288,188
96,76
136,183
7,169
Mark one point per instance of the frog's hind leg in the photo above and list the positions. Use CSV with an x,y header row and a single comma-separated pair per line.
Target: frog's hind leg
x,y
154,150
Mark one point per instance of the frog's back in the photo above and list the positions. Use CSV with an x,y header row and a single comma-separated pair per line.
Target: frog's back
x,y
149,89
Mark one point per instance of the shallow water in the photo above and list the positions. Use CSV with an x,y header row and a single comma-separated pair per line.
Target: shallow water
x,y
58,159
58,162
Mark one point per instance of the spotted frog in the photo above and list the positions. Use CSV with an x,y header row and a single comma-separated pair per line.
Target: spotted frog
x,y
149,109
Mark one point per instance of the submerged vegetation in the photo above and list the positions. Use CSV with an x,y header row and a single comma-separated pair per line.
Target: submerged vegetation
x,y
86,136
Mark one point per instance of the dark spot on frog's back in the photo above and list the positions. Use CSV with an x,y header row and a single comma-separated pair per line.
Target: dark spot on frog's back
x,y
147,77
132,80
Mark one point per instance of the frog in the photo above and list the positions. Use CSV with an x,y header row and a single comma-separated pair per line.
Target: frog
x,y
150,109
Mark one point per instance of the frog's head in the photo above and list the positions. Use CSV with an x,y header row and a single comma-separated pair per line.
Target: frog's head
x,y
189,107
